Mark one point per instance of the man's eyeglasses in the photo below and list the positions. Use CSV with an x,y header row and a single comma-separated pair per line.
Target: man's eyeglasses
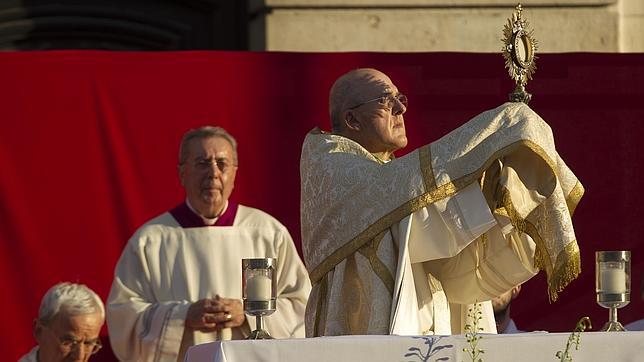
x,y
205,163
69,343
387,101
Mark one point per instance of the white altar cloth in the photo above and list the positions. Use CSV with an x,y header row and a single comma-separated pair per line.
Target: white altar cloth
x,y
525,347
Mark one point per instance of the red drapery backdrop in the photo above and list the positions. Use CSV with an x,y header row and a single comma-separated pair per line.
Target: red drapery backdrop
x,y
89,143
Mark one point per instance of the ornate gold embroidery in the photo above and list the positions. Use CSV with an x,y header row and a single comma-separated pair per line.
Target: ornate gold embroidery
x,y
542,260
517,221
541,257
318,308
425,158
558,276
567,268
369,251
568,264
489,181
574,196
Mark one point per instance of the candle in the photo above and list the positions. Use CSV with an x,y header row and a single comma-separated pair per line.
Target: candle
x,y
258,287
612,280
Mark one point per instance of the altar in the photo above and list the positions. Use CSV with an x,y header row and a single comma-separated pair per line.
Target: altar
x,y
524,347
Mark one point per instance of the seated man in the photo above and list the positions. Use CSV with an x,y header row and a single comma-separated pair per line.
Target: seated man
x,y
178,281
68,325
501,307
409,245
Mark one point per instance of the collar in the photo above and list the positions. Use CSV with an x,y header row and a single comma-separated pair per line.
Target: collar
x,y
207,220
188,218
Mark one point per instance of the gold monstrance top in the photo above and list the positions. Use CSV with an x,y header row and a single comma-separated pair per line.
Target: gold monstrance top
x,y
519,51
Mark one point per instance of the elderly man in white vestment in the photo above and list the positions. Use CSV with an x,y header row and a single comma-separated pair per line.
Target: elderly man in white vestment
x,y
410,245
178,281
68,325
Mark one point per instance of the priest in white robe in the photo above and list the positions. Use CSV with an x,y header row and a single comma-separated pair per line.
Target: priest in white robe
x,y
418,244
178,281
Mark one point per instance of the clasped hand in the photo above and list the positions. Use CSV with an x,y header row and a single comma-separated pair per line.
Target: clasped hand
x,y
210,314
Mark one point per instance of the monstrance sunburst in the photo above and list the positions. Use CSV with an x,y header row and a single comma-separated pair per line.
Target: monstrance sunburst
x,y
519,51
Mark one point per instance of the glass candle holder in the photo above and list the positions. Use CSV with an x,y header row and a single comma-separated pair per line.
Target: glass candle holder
x,y
258,286
613,284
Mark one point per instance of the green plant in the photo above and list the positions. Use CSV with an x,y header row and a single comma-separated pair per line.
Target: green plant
x,y
575,338
472,335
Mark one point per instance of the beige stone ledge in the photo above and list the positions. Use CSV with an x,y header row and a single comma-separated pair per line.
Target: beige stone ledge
x,y
424,3
631,7
410,30
632,40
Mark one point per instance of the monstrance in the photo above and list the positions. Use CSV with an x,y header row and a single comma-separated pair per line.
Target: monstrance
x,y
519,51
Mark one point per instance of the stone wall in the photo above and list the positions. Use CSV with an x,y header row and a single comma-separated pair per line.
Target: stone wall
x,y
443,25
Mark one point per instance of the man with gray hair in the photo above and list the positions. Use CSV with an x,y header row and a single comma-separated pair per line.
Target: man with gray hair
x,y
68,325
178,281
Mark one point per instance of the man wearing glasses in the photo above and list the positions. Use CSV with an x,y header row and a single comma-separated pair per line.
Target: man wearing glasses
x,y
178,281
409,245
68,325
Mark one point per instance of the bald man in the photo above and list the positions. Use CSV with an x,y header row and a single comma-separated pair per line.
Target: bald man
x,y
409,245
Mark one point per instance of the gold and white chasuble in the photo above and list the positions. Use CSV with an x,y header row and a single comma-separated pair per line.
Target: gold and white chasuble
x,y
407,247
165,267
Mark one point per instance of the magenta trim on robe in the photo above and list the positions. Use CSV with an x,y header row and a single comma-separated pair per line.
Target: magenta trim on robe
x,y
188,219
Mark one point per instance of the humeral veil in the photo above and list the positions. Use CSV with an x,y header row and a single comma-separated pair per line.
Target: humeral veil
x,y
406,247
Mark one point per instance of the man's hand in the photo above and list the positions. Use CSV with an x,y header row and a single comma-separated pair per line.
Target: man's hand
x,y
207,315
201,316
235,312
